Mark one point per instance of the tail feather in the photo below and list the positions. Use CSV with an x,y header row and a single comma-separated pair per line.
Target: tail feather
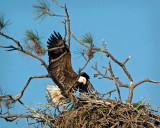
x,y
54,95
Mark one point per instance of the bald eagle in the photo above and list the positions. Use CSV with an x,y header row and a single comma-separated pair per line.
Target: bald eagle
x,y
61,68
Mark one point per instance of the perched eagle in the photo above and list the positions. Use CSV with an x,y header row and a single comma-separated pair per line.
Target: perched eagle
x,y
61,68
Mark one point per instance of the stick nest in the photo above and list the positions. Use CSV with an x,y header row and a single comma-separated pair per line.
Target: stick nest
x,y
102,115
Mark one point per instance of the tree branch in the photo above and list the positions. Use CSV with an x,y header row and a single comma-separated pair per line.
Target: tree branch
x,y
145,80
108,77
26,52
131,86
80,69
13,117
68,24
79,41
51,49
68,21
40,59
113,77
130,94
58,4
8,37
30,78
64,22
15,98
119,63
53,14
126,60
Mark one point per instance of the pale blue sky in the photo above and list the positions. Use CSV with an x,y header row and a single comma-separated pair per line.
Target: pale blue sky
x,y
130,28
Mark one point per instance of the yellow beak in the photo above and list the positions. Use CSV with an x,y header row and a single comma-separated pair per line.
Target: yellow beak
x,y
84,82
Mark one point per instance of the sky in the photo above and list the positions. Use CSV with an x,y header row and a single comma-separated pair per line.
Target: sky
x,y
130,28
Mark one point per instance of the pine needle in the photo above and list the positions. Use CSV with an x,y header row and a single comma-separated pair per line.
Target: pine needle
x,y
33,43
3,22
31,36
87,38
41,9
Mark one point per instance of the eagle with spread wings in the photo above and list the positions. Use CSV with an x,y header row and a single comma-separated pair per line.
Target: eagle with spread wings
x,y
61,68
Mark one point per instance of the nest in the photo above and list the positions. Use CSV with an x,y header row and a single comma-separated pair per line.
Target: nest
x,y
102,115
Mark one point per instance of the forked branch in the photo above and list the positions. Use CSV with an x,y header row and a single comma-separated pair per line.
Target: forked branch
x,y
115,81
119,63
20,48
8,37
68,21
130,86
15,98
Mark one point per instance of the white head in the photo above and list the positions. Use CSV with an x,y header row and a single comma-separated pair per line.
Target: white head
x,y
82,79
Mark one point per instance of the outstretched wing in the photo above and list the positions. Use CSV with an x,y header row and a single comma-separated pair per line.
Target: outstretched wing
x,y
60,61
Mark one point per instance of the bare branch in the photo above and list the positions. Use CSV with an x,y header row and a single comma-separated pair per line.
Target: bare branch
x,y
53,14
64,22
79,41
51,49
84,65
58,57
12,117
109,55
58,4
68,20
22,92
132,86
26,52
126,60
68,24
130,94
119,63
104,76
108,77
8,37
145,80
11,48
40,59
110,91
113,77
33,110
103,94
42,76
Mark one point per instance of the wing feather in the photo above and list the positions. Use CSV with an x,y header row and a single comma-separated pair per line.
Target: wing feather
x,y
60,64
60,61
90,87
